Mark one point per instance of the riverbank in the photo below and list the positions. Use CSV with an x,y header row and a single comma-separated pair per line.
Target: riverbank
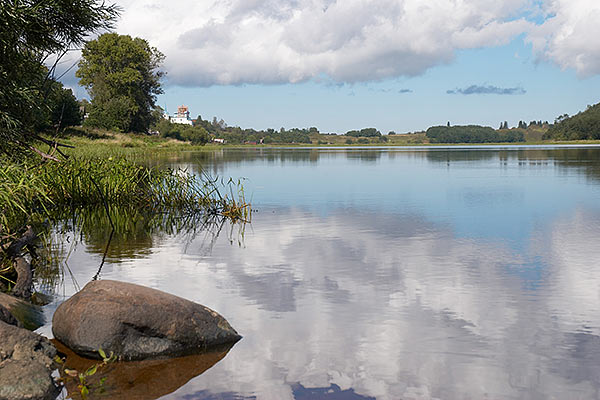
x,y
95,174
89,143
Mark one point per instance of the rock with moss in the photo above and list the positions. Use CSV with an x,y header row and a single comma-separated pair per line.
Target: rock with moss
x,y
26,365
137,322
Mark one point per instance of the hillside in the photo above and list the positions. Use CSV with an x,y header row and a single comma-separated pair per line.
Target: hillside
x,y
583,126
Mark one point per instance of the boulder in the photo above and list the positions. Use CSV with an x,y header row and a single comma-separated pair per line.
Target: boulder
x,y
26,365
137,323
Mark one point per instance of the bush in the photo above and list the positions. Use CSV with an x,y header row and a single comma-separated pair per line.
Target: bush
x,y
194,134
366,132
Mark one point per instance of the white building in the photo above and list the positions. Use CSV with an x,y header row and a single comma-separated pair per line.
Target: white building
x,y
182,116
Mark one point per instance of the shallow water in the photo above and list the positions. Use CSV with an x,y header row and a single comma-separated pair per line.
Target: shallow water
x,y
387,273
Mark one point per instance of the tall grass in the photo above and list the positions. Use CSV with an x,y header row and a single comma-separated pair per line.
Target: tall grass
x,y
33,193
27,190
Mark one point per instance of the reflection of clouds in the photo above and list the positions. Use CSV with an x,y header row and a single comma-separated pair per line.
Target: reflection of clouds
x,y
391,307
574,252
395,309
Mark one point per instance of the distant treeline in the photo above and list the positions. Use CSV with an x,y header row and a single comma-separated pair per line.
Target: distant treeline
x,y
203,131
366,132
472,134
583,126
237,135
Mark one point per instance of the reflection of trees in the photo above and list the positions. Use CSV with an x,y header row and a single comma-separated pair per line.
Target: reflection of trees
x,y
586,160
332,392
363,155
458,155
134,233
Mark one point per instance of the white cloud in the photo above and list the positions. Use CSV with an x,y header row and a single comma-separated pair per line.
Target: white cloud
x,y
569,36
277,41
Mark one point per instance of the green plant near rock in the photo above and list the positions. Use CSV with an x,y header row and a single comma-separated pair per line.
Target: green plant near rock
x,y
83,379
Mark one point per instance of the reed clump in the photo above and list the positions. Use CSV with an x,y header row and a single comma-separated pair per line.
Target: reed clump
x,y
40,189
43,194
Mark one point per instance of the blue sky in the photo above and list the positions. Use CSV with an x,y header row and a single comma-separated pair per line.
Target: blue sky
x,y
400,65
549,92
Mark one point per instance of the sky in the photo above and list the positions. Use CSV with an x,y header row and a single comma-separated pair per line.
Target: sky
x,y
400,65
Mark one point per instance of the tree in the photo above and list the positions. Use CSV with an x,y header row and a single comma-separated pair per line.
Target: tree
x,y
32,31
366,132
582,126
122,76
63,107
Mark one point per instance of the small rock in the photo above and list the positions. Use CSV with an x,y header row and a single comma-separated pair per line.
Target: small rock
x,y
136,323
26,365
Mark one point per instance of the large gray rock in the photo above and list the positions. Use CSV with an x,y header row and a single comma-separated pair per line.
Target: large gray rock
x,y
26,365
136,323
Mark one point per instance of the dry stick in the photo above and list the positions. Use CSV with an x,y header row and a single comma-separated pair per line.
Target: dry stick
x,y
14,249
52,142
44,155
95,278
111,232
54,145
24,281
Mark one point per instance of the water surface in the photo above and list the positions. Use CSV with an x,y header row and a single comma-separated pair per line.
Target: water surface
x,y
385,273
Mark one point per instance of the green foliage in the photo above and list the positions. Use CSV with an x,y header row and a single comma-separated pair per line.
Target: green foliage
x,y
366,132
194,134
64,109
122,76
583,126
472,134
31,32
237,135
83,379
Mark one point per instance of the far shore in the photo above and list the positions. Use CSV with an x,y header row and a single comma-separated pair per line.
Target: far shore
x,y
115,144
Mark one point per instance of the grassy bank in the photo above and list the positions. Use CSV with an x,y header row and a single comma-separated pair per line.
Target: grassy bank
x,y
98,144
102,174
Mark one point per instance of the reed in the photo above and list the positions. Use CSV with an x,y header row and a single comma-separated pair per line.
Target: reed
x,y
34,193
27,190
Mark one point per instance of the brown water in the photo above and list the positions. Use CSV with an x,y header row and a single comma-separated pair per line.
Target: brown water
x,y
382,273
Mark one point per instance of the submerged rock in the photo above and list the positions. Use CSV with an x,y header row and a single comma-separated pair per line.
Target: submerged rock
x,y
6,316
26,365
136,323
29,316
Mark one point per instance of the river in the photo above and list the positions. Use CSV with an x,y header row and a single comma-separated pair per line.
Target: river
x,y
383,273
